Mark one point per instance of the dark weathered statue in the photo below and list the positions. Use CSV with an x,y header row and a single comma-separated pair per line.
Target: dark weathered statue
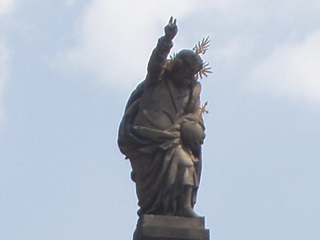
x,y
162,130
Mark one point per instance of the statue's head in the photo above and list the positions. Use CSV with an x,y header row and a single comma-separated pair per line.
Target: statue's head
x,y
187,66
187,63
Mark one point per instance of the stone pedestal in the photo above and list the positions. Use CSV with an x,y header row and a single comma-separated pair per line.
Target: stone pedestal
x,y
157,227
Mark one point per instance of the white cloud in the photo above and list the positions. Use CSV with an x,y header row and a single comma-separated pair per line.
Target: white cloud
x,y
6,7
239,11
70,2
234,51
292,70
117,37
4,73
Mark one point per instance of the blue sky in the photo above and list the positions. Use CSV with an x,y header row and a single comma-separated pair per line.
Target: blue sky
x,y
67,68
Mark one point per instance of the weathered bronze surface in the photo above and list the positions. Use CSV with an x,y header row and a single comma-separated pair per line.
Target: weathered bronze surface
x,y
162,130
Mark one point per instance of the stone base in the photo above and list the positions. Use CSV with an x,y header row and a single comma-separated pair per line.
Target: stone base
x,y
157,227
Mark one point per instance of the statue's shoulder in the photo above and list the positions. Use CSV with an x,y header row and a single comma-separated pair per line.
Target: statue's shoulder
x,y
136,94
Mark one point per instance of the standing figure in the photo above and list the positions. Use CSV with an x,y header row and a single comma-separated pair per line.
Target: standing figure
x,y
162,130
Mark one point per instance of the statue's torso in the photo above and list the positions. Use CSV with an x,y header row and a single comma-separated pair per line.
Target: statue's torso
x,y
162,104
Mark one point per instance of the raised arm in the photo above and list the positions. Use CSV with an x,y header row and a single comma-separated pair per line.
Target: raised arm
x,y
159,55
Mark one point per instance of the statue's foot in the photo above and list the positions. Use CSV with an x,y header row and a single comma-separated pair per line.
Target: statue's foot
x,y
188,212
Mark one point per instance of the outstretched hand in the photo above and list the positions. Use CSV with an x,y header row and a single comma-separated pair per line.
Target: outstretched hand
x,y
171,29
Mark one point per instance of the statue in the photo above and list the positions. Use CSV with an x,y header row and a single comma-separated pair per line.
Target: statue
x,y
162,129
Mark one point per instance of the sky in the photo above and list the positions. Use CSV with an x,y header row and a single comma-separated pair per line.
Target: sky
x,y
67,68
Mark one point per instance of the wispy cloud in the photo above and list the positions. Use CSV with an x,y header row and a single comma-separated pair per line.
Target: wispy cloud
x,y
4,73
239,11
6,7
70,2
292,70
115,40
235,50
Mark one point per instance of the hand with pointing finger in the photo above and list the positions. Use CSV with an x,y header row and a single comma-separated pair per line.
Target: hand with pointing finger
x,y
171,29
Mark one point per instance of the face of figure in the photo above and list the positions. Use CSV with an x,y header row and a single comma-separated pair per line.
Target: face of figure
x,y
186,67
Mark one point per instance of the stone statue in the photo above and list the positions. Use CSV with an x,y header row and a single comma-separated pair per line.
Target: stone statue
x,y
162,129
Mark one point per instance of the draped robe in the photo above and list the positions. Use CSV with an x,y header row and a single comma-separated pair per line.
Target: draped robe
x,y
150,137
